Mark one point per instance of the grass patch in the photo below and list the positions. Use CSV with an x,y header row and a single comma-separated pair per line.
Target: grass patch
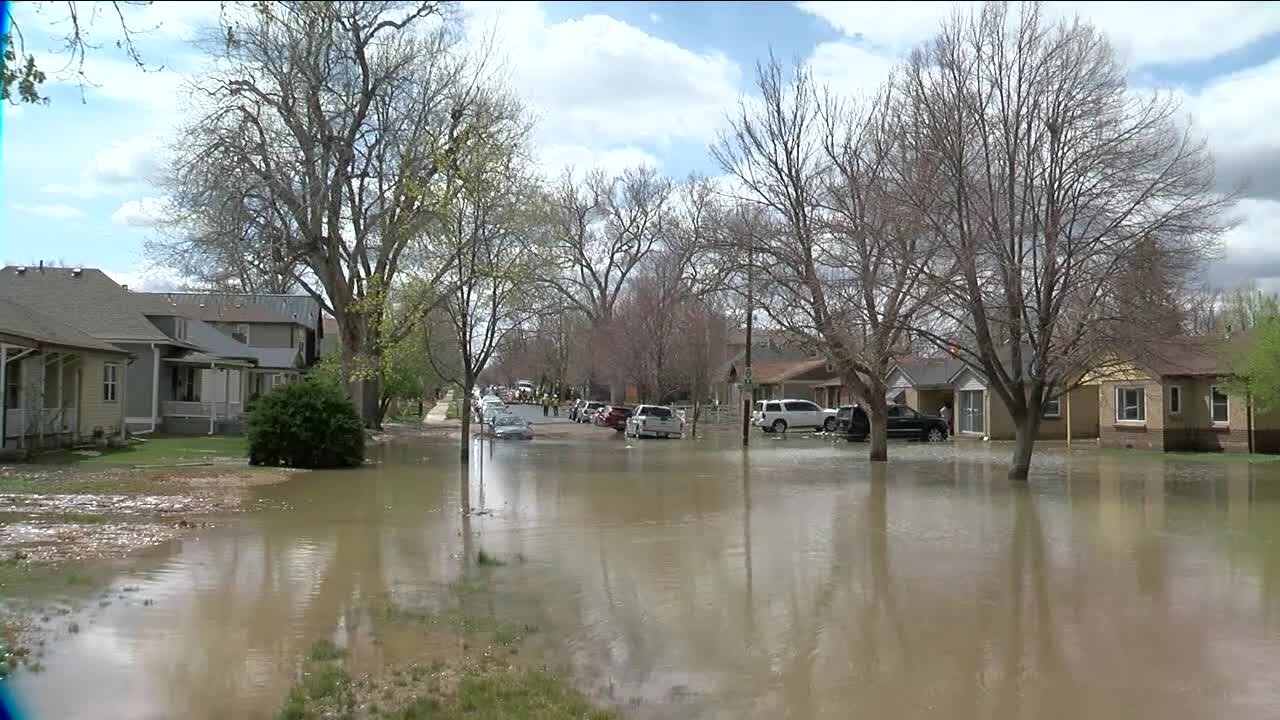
x,y
325,649
156,450
454,411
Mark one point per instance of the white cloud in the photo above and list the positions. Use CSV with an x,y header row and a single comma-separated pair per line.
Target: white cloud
x,y
51,211
849,69
133,160
150,278
655,18
597,81
1148,33
554,159
145,212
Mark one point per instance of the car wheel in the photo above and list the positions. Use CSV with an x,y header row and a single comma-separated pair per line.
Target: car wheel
x,y
935,435
829,425
778,426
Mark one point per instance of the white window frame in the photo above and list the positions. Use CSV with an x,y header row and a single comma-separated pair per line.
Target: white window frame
x,y
241,329
1175,408
180,328
1142,406
1213,390
1056,403
110,382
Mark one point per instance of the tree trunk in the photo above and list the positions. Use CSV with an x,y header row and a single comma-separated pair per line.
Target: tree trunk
x,y
1025,430
465,415
371,399
878,435
697,408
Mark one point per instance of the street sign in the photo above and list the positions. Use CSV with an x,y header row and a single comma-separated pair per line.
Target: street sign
x,y
746,376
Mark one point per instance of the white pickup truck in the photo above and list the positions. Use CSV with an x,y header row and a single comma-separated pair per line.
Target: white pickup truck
x,y
654,421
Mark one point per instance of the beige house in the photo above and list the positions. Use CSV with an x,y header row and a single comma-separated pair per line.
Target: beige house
x,y
60,385
1176,397
980,413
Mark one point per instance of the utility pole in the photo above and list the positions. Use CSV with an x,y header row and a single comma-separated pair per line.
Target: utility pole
x,y
746,374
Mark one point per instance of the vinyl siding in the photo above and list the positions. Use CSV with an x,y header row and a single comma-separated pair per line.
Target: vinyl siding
x,y
96,412
138,400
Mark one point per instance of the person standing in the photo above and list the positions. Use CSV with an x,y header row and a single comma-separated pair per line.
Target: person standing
x,y
945,414
546,405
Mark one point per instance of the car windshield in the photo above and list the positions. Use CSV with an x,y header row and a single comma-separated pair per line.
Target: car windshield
x,y
594,405
759,407
508,421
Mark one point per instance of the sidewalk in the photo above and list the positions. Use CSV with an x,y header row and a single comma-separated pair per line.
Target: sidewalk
x,y
438,415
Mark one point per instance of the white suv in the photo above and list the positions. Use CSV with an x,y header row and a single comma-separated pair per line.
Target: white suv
x,y
782,415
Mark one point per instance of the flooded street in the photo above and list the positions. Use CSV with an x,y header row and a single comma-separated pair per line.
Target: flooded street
x,y
691,579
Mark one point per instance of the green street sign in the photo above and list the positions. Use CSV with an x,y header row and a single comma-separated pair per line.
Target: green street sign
x,y
746,377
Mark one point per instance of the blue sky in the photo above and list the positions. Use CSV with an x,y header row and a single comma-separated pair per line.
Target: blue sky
x,y
612,85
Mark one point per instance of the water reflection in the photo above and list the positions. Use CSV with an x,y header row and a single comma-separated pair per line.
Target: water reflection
x,y
699,580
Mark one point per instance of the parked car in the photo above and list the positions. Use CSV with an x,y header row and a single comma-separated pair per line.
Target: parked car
x,y
587,413
490,408
511,427
905,422
614,416
852,422
778,416
654,421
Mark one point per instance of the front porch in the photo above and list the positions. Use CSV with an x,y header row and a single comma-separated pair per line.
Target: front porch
x,y
208,398
42,398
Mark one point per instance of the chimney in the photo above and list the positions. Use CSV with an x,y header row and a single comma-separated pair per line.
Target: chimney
x,y
77,272
125,287
41,266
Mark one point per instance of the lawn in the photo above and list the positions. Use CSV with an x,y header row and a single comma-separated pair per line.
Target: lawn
x,y
157,450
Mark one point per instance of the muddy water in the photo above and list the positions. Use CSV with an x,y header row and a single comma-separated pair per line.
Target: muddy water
x,y
686,579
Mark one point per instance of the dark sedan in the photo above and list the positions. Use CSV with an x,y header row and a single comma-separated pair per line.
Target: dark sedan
x,y
903,422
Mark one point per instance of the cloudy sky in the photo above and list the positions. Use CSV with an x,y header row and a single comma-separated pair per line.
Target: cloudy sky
x,y
612,85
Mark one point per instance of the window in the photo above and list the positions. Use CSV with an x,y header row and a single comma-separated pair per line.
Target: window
x,y
901,412
800,406
900,398
657,412
1052,408
241,333
1221,406
1131,404
110,381
13,385
773,407
1175,400
298,339
278,379
180,328
186,384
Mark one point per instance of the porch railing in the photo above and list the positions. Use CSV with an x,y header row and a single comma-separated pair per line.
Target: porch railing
x,y
200,409
24,421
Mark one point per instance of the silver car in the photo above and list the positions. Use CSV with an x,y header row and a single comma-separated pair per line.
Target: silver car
x,y
511,427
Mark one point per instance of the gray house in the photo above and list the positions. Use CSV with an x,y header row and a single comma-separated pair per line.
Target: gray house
x,y
183,375
261,321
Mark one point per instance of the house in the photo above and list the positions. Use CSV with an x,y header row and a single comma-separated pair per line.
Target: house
x,y
1174,395
980,413
923,383
258,320
778,369
61,386
183,374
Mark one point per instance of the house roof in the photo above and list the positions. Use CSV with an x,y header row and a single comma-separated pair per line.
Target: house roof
x,y
930,372
85,299
777,371
1189,355
248,307
223,345
25,322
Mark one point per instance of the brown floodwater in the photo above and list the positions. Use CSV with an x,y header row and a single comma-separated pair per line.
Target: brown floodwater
x,y
690,579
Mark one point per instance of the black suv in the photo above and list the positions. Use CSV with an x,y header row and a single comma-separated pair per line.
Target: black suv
x,y
903,422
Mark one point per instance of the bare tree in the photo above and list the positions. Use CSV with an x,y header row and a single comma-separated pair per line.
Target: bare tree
x,y
837,255
601,229
346,121
1042,173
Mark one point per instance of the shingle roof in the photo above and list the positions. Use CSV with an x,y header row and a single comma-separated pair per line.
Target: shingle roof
x,y
776,371
930,372
247,307
224,346
1186,356
25,322
85,299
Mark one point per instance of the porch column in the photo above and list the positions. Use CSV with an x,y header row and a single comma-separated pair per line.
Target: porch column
x,y
62,418
44,372
155,386
213,404
226,392
122,396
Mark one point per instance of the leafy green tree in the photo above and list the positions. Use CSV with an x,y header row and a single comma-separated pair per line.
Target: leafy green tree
x,y
1257,368
307,424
